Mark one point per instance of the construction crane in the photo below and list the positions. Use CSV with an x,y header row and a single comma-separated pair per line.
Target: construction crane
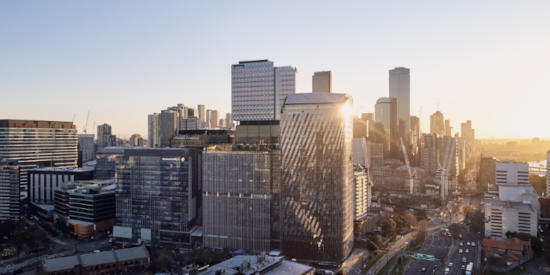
x,y
412,172
86,124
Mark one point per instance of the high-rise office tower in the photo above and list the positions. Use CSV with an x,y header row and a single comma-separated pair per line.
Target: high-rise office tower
x,y
317,178
201,112
385,112
136,140
468,135
9,190
158,196
415,137
448,128
167,127
86,147
322,82
400,89
548,174
37,144
487,172
105,138
429,148
212,119
437,124
152,130
258,89
229,121
246,216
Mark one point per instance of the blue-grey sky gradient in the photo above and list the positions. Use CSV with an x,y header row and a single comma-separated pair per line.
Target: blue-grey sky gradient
x,y
487,61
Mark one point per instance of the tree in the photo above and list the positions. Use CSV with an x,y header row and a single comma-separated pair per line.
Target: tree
x,y
454,229
389,228
410,218
377,240
477,222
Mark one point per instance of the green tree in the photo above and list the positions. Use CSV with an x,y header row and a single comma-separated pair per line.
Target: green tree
x,y
377,240
466,210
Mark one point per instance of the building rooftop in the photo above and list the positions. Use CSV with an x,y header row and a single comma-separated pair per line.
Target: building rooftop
x,y
315,98
250,264
21,123
91,259
510,244
64,169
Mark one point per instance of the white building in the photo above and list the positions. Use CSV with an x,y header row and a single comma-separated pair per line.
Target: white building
x,y
258,89
512,173
517,207
362,194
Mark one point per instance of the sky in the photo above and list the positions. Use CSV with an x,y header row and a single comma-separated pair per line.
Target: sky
x,y
485,61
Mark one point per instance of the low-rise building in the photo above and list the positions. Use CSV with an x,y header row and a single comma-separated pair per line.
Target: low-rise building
x,y
120,261
87,207
505,255
263,264
44,181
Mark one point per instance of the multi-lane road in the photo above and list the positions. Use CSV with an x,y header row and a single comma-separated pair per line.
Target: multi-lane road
x,y
447,252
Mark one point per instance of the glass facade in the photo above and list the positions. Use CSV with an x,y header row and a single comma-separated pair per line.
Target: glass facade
x,y
241,197
317,177
258,89
158,194
9,190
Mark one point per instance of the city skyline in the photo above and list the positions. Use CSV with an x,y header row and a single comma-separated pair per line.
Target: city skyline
x,y
461,56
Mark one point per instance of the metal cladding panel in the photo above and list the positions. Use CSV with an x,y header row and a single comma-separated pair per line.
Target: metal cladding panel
x,y
317,181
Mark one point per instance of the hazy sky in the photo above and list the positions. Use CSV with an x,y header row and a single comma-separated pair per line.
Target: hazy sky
x,y
488,61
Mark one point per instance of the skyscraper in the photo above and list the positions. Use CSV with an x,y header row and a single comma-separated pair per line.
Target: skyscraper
x,y
448,127
201,115
415,137
229,121
548,174
258,89
322,82
9,190
400,90
152,130
437,124
246,216
158,196
317,179
86,147
105,138
37,144
167,127
385,112
212,119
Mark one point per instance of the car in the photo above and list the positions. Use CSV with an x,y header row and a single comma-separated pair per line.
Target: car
x,y
467,243
473,244
463,267
467,250
461,243
447,270
460,251
450,264
423,269
463,259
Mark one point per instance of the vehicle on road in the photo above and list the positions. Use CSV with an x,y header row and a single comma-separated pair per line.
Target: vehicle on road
x,y
467,250
461,243
447,270
463,267
423,269
460,251
463,259
469,268
473,244
450,264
